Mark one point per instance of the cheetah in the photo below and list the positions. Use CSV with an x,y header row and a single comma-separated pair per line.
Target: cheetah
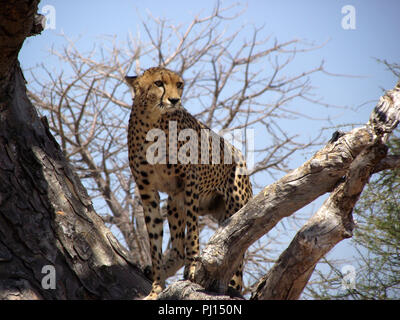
x,y
191,175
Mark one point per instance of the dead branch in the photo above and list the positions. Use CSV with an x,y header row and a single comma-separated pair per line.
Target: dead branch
x,y
332,223
298,188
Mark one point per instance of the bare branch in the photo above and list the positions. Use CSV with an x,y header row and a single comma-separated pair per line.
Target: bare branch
x,y
332,223
325,169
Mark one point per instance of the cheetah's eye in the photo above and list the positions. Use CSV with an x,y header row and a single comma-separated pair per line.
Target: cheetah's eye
x,y
158,83
179,85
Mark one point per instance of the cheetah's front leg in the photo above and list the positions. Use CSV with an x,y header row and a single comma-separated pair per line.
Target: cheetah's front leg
x,y
154,224
177,225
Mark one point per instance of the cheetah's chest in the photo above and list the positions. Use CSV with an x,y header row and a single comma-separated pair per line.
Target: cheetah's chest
x,y
166,180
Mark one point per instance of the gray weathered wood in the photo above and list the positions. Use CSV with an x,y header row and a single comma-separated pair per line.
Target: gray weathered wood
x,y
332,223
186,290
315,177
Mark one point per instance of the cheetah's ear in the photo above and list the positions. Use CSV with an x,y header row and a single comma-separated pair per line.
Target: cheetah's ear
x,y
131,80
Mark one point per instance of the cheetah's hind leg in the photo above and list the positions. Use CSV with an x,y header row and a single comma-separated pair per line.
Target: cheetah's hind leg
x,y
236,195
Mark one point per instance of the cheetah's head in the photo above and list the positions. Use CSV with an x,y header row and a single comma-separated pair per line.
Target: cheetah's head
x,y
157,87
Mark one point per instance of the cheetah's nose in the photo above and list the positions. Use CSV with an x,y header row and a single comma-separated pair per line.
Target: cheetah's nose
x,y
174,101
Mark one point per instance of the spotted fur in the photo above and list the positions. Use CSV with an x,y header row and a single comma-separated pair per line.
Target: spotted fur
x,y
193,189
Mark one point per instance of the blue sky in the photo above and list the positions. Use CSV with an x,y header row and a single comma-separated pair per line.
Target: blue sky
x,y
350,52
347,51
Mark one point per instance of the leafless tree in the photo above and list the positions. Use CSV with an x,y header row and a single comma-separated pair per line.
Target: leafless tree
x,y
230,84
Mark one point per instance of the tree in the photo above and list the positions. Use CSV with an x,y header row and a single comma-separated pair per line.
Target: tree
x,y
377,239
88,108
47,217
375,268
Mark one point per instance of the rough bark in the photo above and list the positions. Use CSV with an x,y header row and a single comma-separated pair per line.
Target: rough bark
x,y
186,290
46,216
390,162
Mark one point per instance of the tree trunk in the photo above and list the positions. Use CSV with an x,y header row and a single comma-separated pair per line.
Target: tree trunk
x,y
52,243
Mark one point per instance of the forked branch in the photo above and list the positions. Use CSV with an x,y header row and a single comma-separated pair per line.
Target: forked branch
x,y
352,155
